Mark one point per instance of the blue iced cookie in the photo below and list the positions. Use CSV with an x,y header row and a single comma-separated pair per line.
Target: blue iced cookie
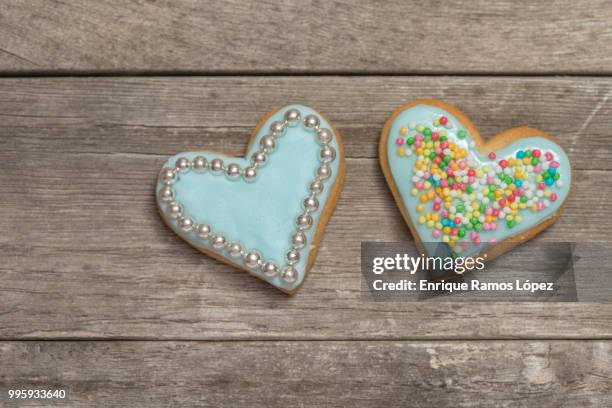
x,y
264,213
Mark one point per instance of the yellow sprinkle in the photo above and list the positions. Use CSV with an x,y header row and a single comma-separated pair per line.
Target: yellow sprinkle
x,y
430,224
436,122
414,191
438,225
420,208
403,131
518,218
445,238
420,128
421,220
400,151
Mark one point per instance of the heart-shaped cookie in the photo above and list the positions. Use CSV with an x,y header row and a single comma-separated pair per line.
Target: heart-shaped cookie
x,y
265,213
467,196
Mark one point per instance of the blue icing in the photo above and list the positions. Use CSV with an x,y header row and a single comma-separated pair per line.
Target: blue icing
x,y
260,215
402,172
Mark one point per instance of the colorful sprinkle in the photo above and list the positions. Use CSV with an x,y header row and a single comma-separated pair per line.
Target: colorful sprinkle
x,y
463,200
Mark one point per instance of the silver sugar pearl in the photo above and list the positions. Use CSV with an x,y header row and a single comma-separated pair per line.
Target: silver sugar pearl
x,y
251,260
324,172
268,143
167,175
277,129
304,221
185,223
311,203
316,186
203,231
293,257
166,194
199,163
234,250
327,154
324,136
269,269
298,240
250,173
233,171
183,164
175,210
292,116
311,121
217,241
259,159
289,274
216,165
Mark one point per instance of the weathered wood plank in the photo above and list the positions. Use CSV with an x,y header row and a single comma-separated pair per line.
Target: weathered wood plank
x,y
332,36
161,116
263,374
86,254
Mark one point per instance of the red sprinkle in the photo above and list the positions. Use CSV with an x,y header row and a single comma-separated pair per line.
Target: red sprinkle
x,y
435,136
536,153
553,197
503,164
443,120
541,186
492,156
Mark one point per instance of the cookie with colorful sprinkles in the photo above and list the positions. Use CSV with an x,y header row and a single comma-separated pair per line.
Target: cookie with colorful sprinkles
x,y
471,196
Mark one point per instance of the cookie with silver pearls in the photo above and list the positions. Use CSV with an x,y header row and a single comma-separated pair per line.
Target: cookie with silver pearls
x,y
284,270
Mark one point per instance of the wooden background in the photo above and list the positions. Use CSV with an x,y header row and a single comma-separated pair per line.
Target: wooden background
x,y
98,297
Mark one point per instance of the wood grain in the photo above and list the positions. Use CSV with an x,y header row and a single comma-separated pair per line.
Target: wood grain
x,y
85,254
236,374
502,36
164,115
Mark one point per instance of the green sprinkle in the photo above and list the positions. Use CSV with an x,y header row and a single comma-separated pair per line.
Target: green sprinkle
x,y
410,141
523,199
510,223
461,134
461,233
427,132
534,161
